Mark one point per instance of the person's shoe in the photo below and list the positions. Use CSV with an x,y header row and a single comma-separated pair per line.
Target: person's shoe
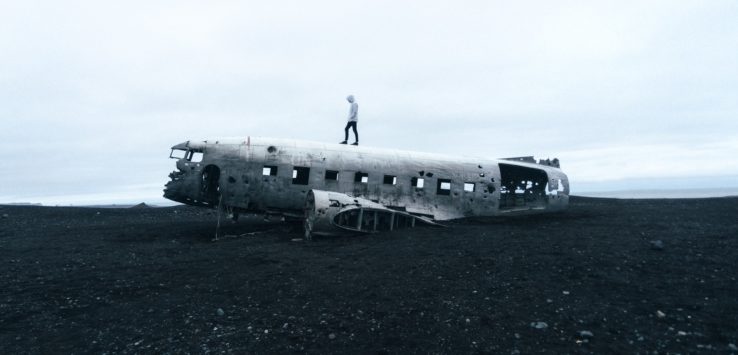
x,y
355,143
344,142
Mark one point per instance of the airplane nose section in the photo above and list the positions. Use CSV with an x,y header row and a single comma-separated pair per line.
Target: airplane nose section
x,y
172,190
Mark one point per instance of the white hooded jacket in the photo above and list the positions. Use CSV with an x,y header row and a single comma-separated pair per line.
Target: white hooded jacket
x,y
353,115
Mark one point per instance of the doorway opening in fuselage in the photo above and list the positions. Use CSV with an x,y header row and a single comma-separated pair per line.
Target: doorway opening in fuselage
x,y
522,187
211,184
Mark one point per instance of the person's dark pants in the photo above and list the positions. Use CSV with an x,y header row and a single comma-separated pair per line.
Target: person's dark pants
x,y
356,133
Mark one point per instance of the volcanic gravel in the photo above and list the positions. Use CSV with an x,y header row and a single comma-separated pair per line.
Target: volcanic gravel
x,y
606,276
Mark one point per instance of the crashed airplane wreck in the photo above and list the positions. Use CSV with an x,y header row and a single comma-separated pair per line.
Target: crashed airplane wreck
x,y
338,189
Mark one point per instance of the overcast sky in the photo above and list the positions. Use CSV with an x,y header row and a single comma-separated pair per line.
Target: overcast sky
x,y
93,94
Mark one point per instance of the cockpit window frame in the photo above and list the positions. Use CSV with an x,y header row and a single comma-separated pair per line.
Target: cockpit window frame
x,y
188,155
195,156
184,154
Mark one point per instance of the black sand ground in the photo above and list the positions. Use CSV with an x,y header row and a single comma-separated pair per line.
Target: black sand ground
x,y
77,280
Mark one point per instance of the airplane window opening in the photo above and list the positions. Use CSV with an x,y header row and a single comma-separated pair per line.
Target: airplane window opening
x,y
361,177
178,154
300,175
196,157
331,175
390,180
269,170
469,186
417,182
444,187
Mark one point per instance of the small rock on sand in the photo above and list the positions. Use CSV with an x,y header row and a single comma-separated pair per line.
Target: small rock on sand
x,y
586,334
539,325
657,245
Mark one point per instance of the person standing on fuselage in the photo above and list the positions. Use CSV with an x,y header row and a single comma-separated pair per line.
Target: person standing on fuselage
x,y
353,119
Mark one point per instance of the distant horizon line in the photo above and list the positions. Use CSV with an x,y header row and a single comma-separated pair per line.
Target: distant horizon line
x,y
643,193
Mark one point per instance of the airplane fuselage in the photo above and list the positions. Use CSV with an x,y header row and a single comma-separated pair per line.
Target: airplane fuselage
x,y
276,175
